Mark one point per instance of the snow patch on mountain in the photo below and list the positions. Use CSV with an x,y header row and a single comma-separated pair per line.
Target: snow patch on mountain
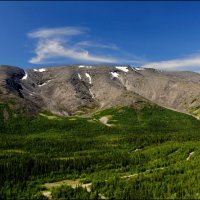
x,y
114,74
139,68
89,77
91,93
82,66
39,70
25,76
79,76
122,68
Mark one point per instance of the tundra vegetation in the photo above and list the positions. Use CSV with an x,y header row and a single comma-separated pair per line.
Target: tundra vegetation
x,y
148,153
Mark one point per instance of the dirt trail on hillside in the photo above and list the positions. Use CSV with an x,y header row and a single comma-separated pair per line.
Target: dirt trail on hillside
x,y
104,120
71,183
191,153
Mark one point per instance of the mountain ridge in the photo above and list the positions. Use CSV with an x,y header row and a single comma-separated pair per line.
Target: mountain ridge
x,y
71,89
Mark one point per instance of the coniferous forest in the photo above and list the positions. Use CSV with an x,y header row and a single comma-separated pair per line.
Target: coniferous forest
x,y
151,153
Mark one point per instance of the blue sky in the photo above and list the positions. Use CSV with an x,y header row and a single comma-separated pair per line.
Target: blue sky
x,y
164,35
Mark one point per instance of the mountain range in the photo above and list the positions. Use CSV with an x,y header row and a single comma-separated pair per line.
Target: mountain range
x,y
82,89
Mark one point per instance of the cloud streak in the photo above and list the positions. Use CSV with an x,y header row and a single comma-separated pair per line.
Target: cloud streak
x,y
56,32
60,43
190,62
97,45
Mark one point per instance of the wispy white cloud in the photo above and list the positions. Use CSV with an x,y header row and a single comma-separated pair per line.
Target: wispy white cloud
x,y
59,42
191,62
98,45
54,48
56,32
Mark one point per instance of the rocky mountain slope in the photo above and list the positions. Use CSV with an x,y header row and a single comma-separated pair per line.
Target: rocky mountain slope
x,y
73,89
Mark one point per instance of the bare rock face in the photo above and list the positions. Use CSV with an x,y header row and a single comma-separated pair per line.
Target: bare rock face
x,y
175,90
67,90
10,80
11,90
70,89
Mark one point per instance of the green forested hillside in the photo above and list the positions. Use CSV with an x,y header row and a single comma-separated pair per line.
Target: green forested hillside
x,y
147,153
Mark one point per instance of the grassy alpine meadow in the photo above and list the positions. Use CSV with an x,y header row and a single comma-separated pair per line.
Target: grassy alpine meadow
x,y
117,153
